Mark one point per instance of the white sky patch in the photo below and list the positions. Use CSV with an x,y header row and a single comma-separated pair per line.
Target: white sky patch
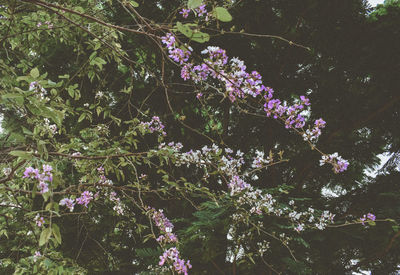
x,y
375,2
383,159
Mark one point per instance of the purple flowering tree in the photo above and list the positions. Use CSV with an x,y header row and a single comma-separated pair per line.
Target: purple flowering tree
x,y
96,174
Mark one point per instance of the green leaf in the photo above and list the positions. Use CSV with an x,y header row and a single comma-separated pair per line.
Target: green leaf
x,y
197,36
21,154
92,55
47,263
134,4
48,206
56,233
46,196
81,117
55,115
200,37
45,236
34,73
222,14
251,258
11,96
192,4
71,92
184,29
99,62
17,97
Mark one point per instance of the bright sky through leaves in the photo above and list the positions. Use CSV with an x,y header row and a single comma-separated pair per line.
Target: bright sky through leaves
x,y
375,2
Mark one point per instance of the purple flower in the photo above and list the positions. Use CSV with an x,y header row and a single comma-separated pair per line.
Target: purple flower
x,y
43,187
299,121
180,265
305,100
46,176
69,203
155,125
180,56
32,173
168,40
171,238
36,256
184,12
185,72
85,198
39,220
49,24
299,227
237,185
47,168
339,164
201,10
162,222
371,216
363,219
199,95
100,170
33,85
320,123
201,71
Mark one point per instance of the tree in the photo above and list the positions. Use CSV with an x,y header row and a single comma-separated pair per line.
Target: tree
x,y
93,179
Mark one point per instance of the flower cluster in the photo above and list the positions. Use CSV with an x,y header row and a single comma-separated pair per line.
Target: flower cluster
x,y
155,125
229,164
237,185
311,218
7,171
180,265
248,197
52,128
199,11
99,94
239,83
39,220
184,12
368,218
118,207
313,133
48,23
36,256
69,203
85,198
177,54
103,179
39,90
44,178
260,161
339,164
174,147
165,226
258,202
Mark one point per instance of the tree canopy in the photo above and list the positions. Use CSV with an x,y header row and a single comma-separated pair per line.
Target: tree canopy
x,y
199,136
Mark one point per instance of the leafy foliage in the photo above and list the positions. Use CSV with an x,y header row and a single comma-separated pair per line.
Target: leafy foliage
x,y
89,85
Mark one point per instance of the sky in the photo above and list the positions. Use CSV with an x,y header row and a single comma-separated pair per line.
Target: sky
x,y
375,2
